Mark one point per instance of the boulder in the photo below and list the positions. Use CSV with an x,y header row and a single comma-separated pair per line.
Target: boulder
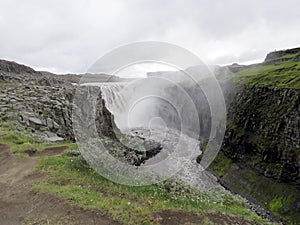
x,y
52,137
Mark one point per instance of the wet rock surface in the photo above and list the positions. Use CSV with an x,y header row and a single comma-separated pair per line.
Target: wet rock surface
x,y
264,129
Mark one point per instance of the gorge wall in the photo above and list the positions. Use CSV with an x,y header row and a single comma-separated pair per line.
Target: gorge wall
x,y
260,156
264,128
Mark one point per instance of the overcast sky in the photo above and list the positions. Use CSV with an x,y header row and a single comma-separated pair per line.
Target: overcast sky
x,y
69,35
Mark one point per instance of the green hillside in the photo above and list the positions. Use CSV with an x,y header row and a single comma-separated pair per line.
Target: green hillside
x,y
280,69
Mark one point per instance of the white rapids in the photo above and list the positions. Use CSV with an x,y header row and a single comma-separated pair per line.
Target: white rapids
x,y
192,173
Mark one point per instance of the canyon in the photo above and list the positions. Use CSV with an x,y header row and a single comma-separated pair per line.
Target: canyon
x,y
260,155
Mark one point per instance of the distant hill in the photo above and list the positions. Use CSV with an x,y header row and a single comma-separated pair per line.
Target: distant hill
x,y
13,67
12,71
280,69
283,55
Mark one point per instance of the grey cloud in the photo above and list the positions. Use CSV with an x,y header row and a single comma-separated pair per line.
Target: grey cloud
x,y
69,36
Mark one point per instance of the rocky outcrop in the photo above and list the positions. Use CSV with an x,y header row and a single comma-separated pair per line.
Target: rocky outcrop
x,y
264,130
44,103
283,55
260,156
48,109
43,108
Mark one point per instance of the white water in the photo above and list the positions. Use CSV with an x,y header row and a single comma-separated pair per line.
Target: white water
x,y
119,103
192,172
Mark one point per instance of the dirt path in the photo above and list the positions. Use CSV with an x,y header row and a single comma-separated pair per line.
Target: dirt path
x,y
20,205
178,217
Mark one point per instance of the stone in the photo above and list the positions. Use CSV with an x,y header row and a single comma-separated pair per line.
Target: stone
x,y
55,139
51,123
52,137
36,121
19,107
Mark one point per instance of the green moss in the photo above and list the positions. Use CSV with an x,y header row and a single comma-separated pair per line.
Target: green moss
x,y
280,198
276,204
260,143
221,164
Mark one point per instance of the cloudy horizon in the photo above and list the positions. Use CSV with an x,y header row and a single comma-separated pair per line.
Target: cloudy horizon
x,y
67,36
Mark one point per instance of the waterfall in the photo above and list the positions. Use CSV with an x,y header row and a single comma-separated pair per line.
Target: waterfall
x,y
135,117
116,102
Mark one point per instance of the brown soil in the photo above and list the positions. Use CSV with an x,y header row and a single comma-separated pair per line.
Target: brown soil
x,y
177,217
47,151
20,205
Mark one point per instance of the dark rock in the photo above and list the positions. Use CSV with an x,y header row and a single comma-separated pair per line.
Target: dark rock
x,y
264,127
279,56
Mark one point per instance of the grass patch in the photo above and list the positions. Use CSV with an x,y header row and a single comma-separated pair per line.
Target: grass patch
x,y
221,164
21,140
284,75
280,198
276,204
72,179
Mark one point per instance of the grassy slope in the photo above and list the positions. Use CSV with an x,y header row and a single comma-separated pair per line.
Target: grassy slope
x,y
71,178
281,74
279,195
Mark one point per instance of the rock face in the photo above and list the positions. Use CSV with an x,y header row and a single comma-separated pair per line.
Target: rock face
x,y
283,55
262,148
264,128
41,100
44,103
44,108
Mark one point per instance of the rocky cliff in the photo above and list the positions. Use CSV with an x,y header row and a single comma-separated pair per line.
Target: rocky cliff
x,y
46,109
260,156
283,55
264,128
42,101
